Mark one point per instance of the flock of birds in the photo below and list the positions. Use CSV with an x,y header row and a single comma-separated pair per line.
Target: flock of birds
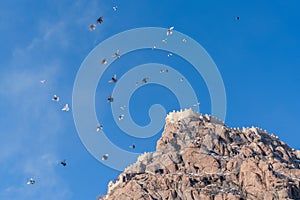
x,y
110,99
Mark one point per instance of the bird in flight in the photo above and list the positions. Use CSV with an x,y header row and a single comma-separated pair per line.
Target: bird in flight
x,y
104,61
145,80
117,54
100,20
99,128
92,27
110,99
121,117
163,70
63,162
55,98
31,181
123,107
170,30
66,108
113,79
196,104
43,81
104,157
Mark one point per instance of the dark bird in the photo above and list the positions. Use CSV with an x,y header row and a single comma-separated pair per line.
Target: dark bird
x,y
113,79
237,18
110,99
104,157
63,163
55,98
145,80
100,20
99,128
132,146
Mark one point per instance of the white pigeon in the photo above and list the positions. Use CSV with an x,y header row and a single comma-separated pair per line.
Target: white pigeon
x,y
121,117
196,104
181,79
115,8
55,98
165,41
117,54
184,40
31,181
66,108
104,157
99,128
163,70
170,54
123,107
153,47
43,81
170,30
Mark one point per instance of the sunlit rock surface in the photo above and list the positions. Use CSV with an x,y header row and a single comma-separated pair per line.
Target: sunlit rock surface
x,y
198,157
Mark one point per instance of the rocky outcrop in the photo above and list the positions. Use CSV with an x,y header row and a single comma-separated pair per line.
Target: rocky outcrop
x,y
198,157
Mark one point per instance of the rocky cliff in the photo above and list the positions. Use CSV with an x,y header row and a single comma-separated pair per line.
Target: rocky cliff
x,y
198,157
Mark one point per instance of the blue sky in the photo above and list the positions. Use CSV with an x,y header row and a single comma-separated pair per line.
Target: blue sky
x,y
257,56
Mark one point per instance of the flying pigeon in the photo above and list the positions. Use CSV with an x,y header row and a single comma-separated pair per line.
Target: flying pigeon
x,y
163,70
145,80
92,27
113,79
117,54
115,8
110,99
99,128
104,61
196,104
31,181
43,81
100,20
170,30
63,163
132,146
121,117
104,157
123,107
66,108
184,40
55,98
165,41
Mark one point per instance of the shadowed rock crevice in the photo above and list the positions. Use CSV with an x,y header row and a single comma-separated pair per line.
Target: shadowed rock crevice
x,y
198,157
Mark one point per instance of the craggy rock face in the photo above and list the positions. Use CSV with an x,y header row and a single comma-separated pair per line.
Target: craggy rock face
x,y
198,157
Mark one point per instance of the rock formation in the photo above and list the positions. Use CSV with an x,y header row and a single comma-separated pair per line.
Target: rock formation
x,y
198,157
